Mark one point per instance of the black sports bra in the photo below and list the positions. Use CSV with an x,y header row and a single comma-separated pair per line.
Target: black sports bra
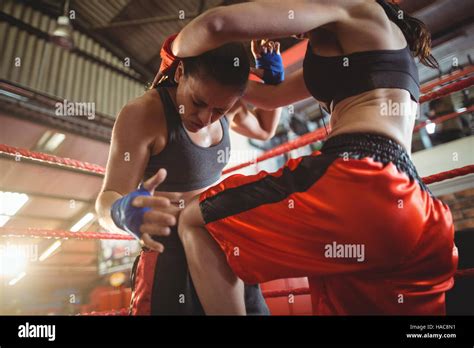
x,y
332,79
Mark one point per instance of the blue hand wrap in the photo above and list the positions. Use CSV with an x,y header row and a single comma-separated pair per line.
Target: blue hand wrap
x,y
273,70
128,217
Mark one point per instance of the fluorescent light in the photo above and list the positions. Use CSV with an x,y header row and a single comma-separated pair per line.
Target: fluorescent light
x,y
82,222
11,202
53,143
44,138
430,127
461,110
49,141
47,253
11,261
17,279
3,220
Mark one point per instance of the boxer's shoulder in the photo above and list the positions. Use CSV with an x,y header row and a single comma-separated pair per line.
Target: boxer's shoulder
x,y
143,117
145,111
147,106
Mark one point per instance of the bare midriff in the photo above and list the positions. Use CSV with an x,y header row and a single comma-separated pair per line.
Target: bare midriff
x,y
385,111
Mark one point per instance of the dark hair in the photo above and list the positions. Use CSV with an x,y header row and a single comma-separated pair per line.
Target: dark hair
x,y
416,33
228,65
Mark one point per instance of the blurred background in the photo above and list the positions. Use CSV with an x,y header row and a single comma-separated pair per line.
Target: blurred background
x,y
103,54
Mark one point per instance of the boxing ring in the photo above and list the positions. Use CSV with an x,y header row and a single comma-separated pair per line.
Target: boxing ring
x,y
450,83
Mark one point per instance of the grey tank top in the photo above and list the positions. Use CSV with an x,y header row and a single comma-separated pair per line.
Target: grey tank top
x,y
189,166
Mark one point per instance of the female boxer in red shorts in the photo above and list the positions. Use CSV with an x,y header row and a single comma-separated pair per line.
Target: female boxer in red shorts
x,y
356,219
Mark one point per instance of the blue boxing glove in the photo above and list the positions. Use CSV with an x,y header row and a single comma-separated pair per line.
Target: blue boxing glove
x,y
126,216
272,65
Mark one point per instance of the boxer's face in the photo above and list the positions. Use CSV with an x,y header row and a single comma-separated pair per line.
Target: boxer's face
x,y
202,101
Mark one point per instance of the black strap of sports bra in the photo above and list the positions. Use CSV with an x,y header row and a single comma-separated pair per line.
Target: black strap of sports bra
x,y
394,15
171,114
391,12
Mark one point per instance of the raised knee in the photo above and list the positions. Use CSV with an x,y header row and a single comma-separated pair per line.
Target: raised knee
x,y
184,226
190,217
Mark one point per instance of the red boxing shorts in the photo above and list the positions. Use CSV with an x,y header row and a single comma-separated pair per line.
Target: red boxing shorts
x,y
356,219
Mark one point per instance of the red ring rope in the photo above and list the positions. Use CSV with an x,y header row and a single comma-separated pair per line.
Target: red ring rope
x,y
60,161
451,77
448,174
306,139
45,233
448,89
442,118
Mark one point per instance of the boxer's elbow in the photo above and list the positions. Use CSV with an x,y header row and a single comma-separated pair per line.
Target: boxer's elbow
x,y
214,21
263,135
221,26
267,136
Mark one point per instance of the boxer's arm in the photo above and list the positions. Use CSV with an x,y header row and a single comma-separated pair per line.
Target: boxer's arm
x,y
103,205
270,97
128,155
255,20
257,123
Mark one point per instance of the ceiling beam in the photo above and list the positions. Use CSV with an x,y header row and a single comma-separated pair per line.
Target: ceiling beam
x,y
143,21
83,27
